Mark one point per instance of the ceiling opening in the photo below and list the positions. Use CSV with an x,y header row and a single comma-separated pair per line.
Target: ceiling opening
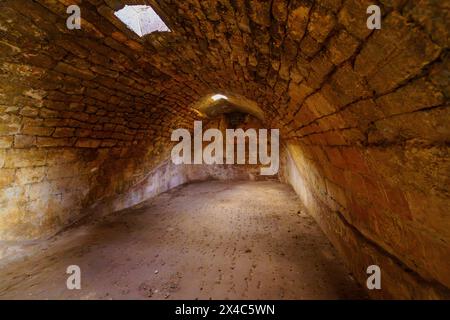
x,y
219,97
141,19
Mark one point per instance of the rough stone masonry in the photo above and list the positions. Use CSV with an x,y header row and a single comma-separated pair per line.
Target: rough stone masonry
x,y
86,115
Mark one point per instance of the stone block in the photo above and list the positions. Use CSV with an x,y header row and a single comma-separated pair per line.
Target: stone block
x,y
88,143
24,141
18,158
6,177
54,142
6,142
30,175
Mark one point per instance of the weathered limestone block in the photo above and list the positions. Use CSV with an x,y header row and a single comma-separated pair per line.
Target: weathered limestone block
x,y
390,58
419,94
321,23
18,158
6,177
70,70
63,132
434,17
433,127
6,142
24,141
29,111
30,175
87,114
321,67
54,142
353,17
9,124
341,47
88,143
345,87
298,19
319,105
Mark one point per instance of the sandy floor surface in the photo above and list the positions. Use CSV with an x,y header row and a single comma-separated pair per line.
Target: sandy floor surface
x,y
209,240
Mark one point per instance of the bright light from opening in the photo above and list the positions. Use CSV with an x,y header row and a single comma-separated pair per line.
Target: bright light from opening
x,y
219,97
141,19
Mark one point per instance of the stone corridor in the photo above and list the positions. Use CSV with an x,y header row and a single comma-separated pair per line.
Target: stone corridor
x,y
239,240
87,116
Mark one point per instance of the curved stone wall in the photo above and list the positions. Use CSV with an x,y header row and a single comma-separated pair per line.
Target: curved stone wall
x,y
85,115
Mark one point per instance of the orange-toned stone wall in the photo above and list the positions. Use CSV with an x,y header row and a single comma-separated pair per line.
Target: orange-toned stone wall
x,y
87,114
80,119
328,203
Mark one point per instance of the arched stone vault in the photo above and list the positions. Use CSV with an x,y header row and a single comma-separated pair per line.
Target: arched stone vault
x,y
230,103
87,114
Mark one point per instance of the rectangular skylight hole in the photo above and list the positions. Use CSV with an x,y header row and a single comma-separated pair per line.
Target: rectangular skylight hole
x,y
141,19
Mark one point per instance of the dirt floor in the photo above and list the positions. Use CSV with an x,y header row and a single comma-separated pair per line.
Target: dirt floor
x,y
209,240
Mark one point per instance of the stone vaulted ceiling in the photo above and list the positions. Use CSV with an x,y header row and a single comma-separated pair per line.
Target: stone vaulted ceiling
x,y
86,114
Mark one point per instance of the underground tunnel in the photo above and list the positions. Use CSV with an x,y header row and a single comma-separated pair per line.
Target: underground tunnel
x,y
90,98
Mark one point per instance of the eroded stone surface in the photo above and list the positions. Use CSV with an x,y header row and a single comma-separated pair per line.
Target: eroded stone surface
x,y
196,241
86,115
